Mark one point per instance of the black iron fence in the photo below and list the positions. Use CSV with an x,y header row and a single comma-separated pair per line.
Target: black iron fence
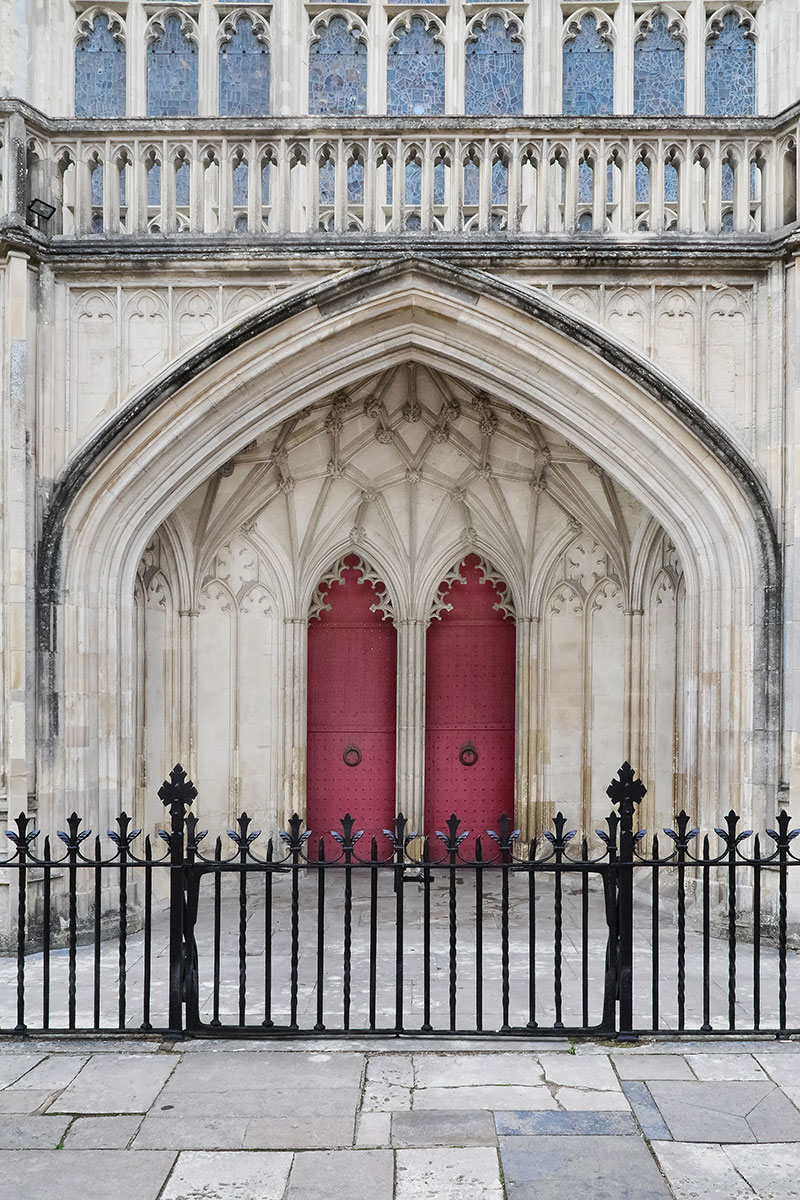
x,y
329,935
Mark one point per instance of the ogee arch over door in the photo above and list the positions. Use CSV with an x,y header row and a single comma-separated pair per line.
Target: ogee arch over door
x,y
469,702
352,685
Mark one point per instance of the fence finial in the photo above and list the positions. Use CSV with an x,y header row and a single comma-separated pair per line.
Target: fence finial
x,y
177,791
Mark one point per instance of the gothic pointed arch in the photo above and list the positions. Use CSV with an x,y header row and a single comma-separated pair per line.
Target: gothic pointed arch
x,y
540,357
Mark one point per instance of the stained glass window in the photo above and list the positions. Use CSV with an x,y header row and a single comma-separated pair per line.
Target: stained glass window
x,y
494,70
588,72
100,73
172,73
670,183
243,73
731,70
241,184
658,70
415,71
337,70
585,183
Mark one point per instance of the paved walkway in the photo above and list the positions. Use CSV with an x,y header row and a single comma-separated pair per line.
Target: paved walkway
x,y
127,1119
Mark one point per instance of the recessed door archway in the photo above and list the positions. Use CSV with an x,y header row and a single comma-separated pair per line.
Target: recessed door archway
x,y
352,709
470,674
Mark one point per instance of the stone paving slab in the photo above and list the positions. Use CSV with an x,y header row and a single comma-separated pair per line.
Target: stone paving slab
x,y
52,1073
447,1128
605,1168
651,1066
31,1133
772,1171
733,1111
696,1170
76,1175
565,1124
228,1176
645,1110
356,1174
124,1083
471,1173
102,1133
483,1096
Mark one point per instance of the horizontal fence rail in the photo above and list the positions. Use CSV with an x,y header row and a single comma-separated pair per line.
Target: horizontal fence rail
x,y
373,176
394,934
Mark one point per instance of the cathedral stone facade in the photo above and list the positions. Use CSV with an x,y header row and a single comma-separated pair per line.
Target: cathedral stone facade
x,y
398,408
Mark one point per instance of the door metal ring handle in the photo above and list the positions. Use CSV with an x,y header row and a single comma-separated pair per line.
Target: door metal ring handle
x,y
351,756
468,755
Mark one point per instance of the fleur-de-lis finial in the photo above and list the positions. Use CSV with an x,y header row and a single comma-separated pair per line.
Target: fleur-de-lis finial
x,y
347,838
783,835
75,836
505,836
241,837
452,839
123,835
562,836
22,837
294,839
683,835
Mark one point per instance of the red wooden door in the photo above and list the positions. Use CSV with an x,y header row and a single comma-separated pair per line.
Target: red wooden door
x,y
469,708
352,670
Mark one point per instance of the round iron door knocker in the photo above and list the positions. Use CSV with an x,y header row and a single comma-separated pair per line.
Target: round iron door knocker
x,y
468,755
352,756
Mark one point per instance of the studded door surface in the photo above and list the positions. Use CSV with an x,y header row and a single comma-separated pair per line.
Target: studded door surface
x,y
352,670
469,705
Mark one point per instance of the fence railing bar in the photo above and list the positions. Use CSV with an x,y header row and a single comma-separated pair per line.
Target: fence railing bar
x,y
46,918
98,904
757,933
655,936
373,932
267,1023
147,964
478,936
706,939
320,1025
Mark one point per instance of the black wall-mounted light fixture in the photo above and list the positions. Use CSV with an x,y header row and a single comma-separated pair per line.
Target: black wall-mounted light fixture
x,y
38,211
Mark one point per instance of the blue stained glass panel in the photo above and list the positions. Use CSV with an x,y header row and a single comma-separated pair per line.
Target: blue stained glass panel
x,y
183,176
642,183
355,183
413,183
327,183
585,183
415,71
100,73
172,73
588,72
727,182
472,183
438,183
499,183
154,185
493,70
241,176
658,71
670,184
244,69
731,70
265,183
337,71
97,184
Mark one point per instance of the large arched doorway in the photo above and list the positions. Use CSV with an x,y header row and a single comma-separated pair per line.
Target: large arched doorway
x,y
352,669
601,400
470,669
